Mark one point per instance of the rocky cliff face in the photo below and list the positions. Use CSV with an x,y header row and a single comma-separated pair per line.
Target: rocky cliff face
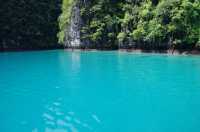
x,y
73,31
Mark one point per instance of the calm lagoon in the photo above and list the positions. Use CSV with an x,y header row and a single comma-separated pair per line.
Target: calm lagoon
x,y
107,91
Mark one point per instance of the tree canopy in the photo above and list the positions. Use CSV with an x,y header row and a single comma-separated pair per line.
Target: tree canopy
x,y
142,23
29,24
33,24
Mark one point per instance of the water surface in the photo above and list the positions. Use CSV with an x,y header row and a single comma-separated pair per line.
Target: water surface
x,y
63,91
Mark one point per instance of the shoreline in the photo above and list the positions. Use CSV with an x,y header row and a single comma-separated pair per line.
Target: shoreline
x,y
169,51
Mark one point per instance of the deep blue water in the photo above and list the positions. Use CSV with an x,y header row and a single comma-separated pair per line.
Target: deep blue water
x,y
109,91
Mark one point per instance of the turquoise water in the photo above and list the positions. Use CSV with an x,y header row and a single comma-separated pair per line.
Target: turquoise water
x,y
63,91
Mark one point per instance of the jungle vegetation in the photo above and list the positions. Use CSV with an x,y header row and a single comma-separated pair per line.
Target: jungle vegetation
x,y
29,24
149,24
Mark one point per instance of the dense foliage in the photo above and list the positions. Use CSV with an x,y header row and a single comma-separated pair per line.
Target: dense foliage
x,y
28,24
137,23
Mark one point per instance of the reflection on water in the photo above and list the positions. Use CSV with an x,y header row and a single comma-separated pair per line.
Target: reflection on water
x,y
75,61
